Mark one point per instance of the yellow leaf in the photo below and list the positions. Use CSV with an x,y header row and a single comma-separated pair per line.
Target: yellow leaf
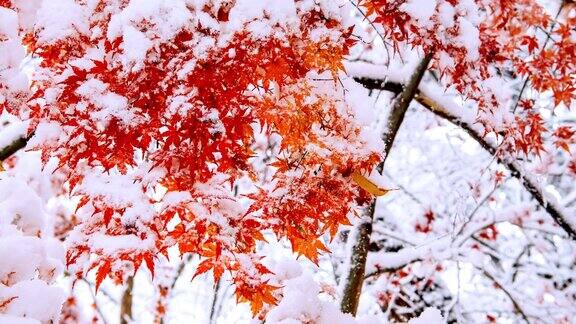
x,y
2,167
261,72
368,185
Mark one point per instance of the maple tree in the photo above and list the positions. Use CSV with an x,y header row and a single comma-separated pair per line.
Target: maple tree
x,y
208,128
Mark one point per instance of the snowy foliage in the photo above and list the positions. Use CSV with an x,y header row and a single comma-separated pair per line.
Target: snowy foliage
x,y
145,143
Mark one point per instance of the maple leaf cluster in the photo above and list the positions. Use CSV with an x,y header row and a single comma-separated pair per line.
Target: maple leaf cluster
x,y
152,111
476,42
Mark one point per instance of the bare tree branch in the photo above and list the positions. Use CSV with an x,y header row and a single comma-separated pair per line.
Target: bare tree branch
x,y
213,309
499,285
14,147
354,278
513,165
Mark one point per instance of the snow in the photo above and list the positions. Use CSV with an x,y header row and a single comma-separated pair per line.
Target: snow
x,y
8,23
19,205
429,316
29,273
174,198
420,10
10,75
446,14
448,103
12,132
379,179
9,319
469,38
58,19
301,304
165,18
111,244
109,104
434,166
135,45
393,260
45,132
119,192
27,305
302,301
35,256
27,10
445,61
283,12
470,10
549,198
115,187
260,17
366,70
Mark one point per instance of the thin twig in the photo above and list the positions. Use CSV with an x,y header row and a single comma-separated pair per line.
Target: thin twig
x,y
512,164
96,306
499,285
549,36
386,44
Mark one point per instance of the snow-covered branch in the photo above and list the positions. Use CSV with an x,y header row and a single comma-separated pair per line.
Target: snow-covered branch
x,y
352,285
441,109
12,139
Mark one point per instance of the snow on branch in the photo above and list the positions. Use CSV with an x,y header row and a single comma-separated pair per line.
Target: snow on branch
x,y
12,139
450,111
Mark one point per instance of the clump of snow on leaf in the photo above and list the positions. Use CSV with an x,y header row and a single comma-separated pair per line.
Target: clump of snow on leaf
x,y
31,260
429,316
302,301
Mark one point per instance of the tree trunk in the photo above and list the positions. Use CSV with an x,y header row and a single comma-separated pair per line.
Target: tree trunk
x,y
14,147
354,279
126,303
